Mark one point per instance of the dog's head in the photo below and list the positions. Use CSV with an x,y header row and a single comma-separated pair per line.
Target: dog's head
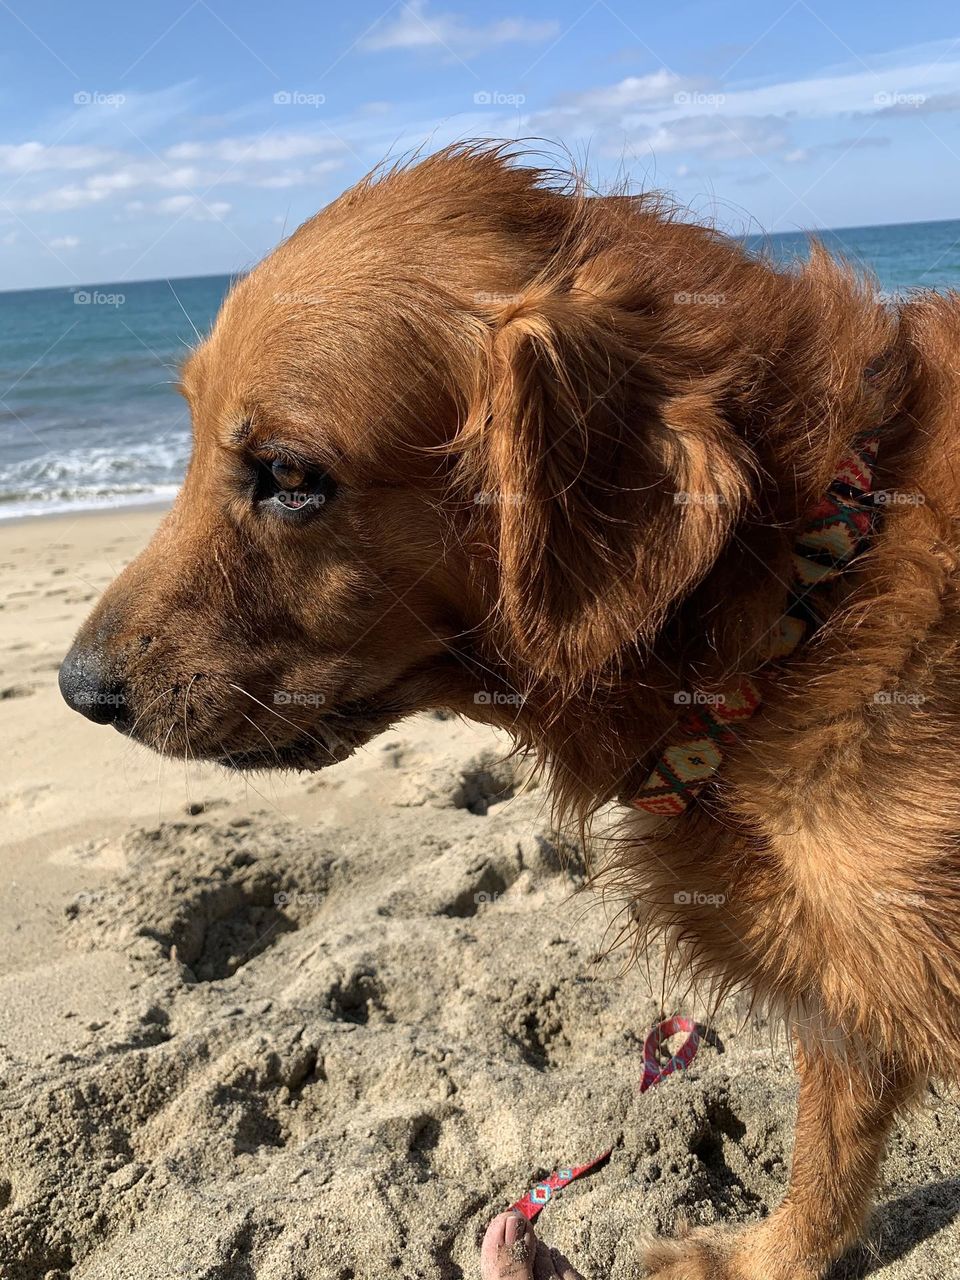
x,y
436,463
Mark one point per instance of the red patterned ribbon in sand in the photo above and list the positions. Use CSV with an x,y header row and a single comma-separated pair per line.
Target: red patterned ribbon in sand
x,y
654,1070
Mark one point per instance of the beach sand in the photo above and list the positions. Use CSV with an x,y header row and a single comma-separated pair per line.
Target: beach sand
x,y
322,1027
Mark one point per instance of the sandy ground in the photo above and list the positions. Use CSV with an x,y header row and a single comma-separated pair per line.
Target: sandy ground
x,y
322,1028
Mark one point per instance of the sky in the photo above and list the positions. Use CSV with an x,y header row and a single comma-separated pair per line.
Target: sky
x,y
184,137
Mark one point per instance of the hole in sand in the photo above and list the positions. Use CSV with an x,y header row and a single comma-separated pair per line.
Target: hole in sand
x,y
359,999
487,781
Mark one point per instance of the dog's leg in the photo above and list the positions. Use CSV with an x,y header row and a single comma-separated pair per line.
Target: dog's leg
x,y
846,1109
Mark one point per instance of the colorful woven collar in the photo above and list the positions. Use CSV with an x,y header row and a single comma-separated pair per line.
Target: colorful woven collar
x,y
836,531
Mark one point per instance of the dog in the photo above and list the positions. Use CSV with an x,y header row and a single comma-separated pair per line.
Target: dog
x,y
475,439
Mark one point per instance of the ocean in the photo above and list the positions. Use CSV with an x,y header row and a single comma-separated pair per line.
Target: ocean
x,y
89,415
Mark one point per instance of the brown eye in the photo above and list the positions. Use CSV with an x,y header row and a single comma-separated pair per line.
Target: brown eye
x,y
292,489
288,476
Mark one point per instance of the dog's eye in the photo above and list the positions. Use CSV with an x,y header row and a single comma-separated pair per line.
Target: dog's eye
x,y
292,488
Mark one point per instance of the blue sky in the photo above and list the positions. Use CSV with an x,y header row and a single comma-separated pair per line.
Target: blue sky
x,y
168,139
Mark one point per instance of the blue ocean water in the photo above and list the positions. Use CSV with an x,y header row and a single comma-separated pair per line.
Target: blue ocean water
x,y
89,415
903,256
88,411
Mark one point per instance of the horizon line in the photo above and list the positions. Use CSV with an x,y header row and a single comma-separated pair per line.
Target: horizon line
x,y
222,275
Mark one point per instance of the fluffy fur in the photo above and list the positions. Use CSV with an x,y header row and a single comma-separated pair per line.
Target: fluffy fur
x,y
574,439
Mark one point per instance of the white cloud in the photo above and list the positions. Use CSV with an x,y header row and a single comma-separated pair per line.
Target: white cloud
x,y
184,176
104,111
26,157
63,198
666,112
802,154
416,28
862,90
226,162
192,207
176,204
660,87
293,177
909,104
97,187
269,148
724,137
64,242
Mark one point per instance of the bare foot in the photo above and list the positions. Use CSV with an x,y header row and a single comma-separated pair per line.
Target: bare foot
x,y
511,1251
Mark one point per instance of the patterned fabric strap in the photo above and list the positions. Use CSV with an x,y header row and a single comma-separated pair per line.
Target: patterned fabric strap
x,y
836,530
654,1070
531,1204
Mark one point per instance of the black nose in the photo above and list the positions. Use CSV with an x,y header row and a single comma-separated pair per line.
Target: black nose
x,y
88,688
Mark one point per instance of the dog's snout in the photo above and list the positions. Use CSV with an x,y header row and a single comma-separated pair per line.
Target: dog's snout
x,y
88,687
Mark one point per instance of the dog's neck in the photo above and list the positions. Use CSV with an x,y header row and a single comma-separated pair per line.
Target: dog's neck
x,y
816,366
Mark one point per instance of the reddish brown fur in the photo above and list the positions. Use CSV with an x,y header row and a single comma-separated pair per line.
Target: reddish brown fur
x,y
467,327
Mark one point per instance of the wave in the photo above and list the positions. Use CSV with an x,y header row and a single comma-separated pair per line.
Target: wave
x,y
53,505
94,476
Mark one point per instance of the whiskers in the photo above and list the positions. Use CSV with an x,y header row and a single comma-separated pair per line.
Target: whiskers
x,y
176,722
187,750
271,745
324,729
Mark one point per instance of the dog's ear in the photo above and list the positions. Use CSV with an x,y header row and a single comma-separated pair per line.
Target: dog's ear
x,y
610,486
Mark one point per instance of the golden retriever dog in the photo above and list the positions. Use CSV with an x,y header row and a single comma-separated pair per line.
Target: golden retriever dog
x,y
472,432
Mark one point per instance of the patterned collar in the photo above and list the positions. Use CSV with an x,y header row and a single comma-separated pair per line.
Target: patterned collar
x,y
836,530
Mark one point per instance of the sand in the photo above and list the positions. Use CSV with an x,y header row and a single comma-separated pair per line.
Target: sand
x,y
323,1027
